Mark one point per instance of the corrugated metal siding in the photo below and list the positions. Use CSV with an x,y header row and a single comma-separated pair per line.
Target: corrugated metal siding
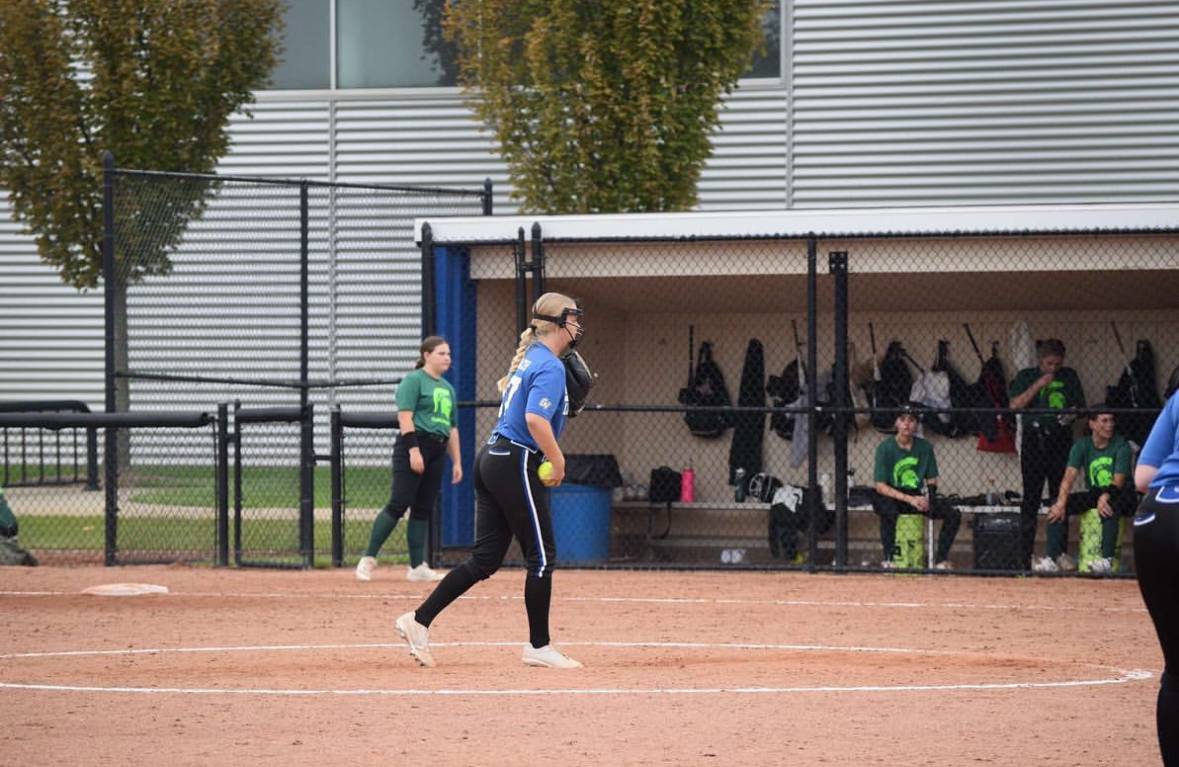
x,y
1029,101
50,334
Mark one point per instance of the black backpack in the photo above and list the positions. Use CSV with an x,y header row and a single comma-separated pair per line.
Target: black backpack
x,y
664,485
785,391
706,388
1136,389
893,388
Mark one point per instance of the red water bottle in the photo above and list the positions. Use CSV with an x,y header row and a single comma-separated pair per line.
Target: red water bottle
x,y
687,485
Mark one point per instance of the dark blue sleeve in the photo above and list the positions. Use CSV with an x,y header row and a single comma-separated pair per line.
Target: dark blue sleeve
x,y
546,390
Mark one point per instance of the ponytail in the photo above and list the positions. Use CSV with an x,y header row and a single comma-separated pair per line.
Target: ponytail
x,y
526,340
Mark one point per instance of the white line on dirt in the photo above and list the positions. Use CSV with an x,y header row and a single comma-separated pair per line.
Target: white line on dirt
x,y
1093,608
1120,676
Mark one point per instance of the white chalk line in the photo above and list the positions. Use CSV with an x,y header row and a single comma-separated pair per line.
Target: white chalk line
x,y
631,600
401,645
1120,676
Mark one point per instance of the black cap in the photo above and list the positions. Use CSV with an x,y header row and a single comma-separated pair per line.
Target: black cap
x,y
909,408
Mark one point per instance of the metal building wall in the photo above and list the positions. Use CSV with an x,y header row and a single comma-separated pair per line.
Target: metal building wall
x,y
951,102
881,104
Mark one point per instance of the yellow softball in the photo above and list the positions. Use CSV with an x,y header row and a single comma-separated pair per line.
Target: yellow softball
x,y
545,471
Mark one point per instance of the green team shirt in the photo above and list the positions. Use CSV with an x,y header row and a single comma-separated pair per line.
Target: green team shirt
x,y
902,469
1100,466
1064,391
431,400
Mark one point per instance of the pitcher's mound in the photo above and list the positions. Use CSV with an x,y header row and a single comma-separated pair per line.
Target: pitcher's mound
x,y
125,589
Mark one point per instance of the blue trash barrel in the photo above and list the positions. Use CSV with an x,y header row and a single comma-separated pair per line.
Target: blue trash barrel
x,y
581,523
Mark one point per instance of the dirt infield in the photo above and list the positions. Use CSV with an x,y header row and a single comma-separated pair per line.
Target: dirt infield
x,y
304,668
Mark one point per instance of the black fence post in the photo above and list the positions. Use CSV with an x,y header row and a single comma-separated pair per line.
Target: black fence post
x,y
109,277
488,198
307,485
812,446
837,263
337,474
304,296
521,286
91,458
222,485
538,288
237,483
429,308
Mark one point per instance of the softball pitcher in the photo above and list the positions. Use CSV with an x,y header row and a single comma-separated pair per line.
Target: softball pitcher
x,y
511,500
1156,554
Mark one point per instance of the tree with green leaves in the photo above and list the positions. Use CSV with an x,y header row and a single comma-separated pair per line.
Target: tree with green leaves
x,y
152,81
603,105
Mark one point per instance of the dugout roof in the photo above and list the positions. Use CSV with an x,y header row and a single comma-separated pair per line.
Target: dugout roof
x,y
841,223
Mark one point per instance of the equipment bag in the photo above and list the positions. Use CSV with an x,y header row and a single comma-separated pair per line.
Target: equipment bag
x,y
1136,388
892,390
664,488
706,388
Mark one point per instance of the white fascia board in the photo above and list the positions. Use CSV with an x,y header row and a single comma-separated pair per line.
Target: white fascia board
x,y
846,222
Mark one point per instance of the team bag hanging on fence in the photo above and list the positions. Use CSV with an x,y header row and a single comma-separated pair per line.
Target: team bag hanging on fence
x,y
706,388
1136,388
996,434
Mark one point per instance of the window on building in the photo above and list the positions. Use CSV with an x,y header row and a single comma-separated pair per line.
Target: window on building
x,y
391,44
399,43
768,63
305,61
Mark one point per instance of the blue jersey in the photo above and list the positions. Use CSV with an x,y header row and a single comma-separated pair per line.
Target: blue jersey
x,y
537,386
1162,446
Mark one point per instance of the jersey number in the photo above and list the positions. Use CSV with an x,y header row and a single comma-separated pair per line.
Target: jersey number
x,y
513,387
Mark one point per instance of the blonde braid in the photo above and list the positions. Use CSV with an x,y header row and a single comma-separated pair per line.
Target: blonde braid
x,y
526,339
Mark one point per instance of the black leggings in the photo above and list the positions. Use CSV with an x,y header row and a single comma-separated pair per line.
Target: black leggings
x,y
510,500
1042,457
413,491
1156,554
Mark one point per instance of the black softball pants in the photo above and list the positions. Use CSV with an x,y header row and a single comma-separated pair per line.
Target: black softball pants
x,y
510,501
1156,560
1042,458
413,491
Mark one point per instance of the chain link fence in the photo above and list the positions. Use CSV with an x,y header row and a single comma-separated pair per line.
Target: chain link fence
x,y
1028,360
165,500
954,326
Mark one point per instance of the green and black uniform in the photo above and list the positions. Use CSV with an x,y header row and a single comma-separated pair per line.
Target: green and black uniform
x,y
1045,445
1098,466
11,552
432,402
907,471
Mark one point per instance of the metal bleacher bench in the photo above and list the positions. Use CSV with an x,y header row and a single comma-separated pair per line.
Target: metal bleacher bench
x,y
723,506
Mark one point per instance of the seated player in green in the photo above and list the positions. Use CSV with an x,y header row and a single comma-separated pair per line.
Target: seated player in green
x,y
1104,458
905,479
11,552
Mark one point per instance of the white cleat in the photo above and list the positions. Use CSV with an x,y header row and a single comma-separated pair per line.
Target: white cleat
x,y
1045,565
1066,563
422,573
547,657
365,567
1101,566
417,637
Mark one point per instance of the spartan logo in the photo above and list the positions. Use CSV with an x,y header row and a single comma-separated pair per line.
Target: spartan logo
x,y
904,474
1054,395
1101,472
442,405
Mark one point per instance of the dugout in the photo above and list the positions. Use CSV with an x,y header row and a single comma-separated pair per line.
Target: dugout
x,y
917,275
